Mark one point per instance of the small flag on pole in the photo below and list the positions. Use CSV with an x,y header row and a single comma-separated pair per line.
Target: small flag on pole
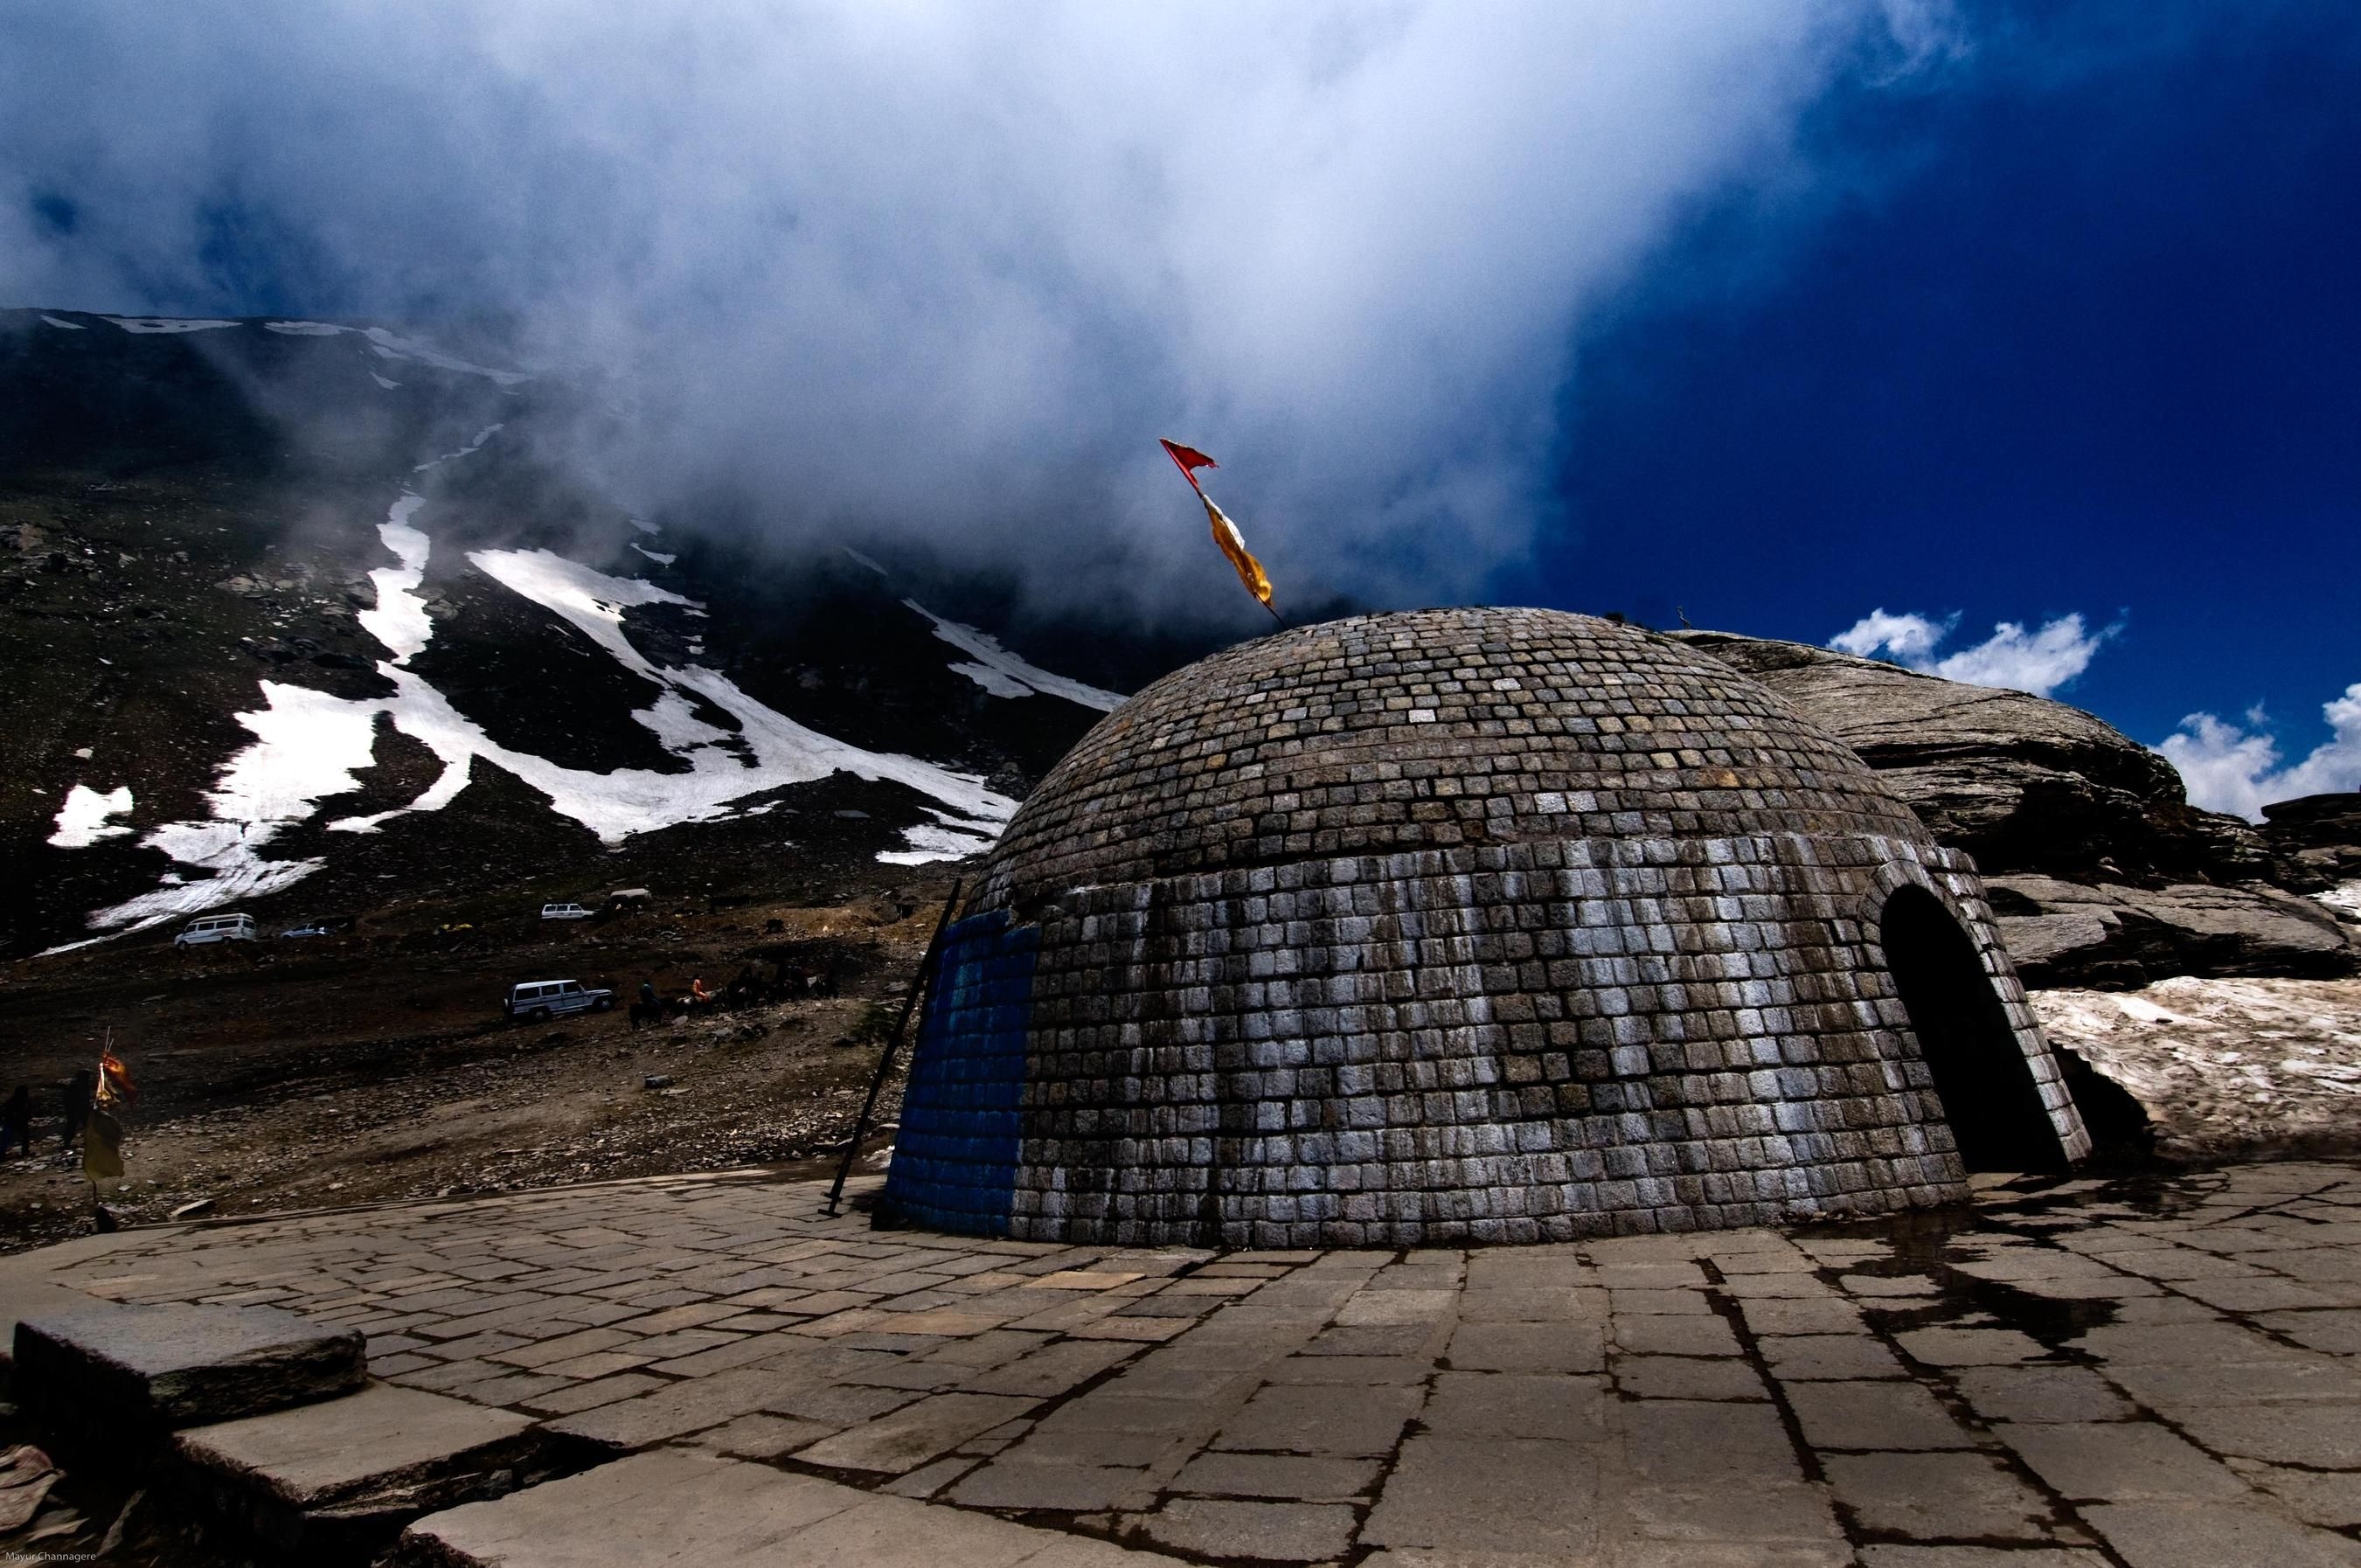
x,y
1233,544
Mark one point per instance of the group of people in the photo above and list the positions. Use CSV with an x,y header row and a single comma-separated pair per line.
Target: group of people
x,y
74,1096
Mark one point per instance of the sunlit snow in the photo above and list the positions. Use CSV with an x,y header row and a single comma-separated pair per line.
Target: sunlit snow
x,y
70,326
1004,674
308,745
948,838
82,820
2345,899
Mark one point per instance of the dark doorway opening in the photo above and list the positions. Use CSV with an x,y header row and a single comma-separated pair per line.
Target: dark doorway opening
x,y
1980,1074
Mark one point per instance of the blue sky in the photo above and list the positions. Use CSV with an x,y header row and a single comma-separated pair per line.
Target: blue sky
x,y
2083,336
1774,312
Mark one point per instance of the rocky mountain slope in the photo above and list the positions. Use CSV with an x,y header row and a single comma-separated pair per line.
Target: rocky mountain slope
x,y
301,620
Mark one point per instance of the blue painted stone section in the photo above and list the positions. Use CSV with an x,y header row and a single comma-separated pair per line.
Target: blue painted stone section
x,y
955,1157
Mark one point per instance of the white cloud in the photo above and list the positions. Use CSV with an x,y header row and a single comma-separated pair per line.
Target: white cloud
x,y
2038,662
951,268
2230,769
1906,637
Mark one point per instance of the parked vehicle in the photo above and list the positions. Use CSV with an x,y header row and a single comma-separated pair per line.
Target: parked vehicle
x,y
310,928
215,928
564,912
539,1001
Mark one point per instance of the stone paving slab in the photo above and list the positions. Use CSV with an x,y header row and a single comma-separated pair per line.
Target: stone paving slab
x,y
2055,1378
335,1480
176,1364
379,1440
672,1506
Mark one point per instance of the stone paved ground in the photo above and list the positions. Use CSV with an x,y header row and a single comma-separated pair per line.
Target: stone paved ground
x,y
2148,1374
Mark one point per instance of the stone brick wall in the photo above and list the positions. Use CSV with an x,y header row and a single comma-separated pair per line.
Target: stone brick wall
x,y
1430,730
1471,926
1517,1043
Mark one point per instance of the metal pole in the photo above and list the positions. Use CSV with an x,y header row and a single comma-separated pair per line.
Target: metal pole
x,y
893,1042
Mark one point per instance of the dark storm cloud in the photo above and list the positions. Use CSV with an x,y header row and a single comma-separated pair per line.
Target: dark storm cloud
x,y
947,272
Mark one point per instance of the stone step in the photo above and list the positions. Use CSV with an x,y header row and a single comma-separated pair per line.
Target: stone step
x,y
674,1505
21,1298
334,1481
108,1373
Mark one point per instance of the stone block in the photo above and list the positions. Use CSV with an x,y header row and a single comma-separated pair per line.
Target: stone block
x,y
1937,1497
119,1369
338,1478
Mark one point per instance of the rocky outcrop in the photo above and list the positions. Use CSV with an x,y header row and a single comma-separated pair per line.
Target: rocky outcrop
x,y
2021,782
2315,840
2063,933
2101,870
2195,1069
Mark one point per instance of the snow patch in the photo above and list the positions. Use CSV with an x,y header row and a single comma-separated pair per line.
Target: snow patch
x,y
865,560
1004,674
381,382
948,838
82,820
393,345
400,620
659,560
472,447
308,745
2345,900
69,326
164,323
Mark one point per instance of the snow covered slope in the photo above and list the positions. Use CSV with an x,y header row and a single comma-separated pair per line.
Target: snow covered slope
x,y
298,625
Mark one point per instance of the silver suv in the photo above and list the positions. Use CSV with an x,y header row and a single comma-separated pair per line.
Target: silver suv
x,y
541,1000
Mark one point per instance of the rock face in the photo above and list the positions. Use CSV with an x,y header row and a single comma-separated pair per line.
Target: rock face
x,y
2063,933
2021,782
2102,872
2316,840
2217,1069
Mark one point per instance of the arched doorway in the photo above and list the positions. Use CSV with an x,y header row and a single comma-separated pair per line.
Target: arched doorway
x,y
1981,1073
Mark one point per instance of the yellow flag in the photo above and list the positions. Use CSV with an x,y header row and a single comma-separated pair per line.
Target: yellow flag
x,y
1234,545
102,1146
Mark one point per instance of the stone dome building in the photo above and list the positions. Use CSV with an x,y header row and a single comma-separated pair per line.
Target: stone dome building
x,y
1463,926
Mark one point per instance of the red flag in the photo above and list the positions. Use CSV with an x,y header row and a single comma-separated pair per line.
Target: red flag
x,y
1190,460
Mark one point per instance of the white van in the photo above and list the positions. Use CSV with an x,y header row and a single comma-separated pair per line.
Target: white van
x,y
215,928
564,912
543,999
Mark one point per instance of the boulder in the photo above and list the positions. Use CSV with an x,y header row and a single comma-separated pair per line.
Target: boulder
x,y
2112,934
2021,782
2316,840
